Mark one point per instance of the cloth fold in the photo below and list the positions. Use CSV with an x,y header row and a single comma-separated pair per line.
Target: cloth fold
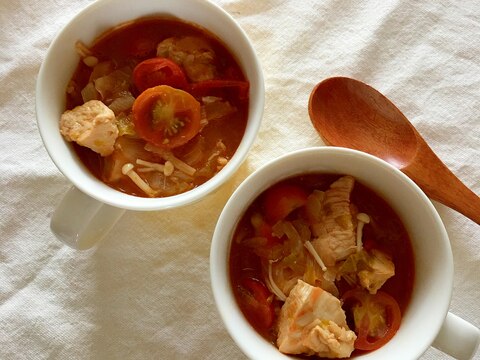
x,y
144,292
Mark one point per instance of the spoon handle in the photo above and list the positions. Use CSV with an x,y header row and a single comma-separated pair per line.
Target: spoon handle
x,y
440,184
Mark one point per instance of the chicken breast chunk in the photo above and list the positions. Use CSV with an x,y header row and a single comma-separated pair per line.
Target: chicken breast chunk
x,y
313,322
369,269
193,53
334,227
380,268
91,125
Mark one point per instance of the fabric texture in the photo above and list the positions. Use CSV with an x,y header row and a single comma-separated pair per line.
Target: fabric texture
x,y
144,292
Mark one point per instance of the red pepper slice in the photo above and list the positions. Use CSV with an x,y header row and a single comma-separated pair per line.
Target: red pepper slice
x,y
281,199
158,71
211,87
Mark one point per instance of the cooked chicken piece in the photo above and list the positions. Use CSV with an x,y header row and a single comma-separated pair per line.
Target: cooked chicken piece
x,y
194,54
334,226
380,269
313,322
91,125
368,269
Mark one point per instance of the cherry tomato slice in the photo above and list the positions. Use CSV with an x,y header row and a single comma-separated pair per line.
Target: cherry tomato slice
x,y
166,117
281,199
258,302
377,317
208,87
158,71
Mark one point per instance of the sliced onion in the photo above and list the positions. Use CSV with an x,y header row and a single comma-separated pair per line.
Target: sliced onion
x,y
89,92
113,84
101,69
122,103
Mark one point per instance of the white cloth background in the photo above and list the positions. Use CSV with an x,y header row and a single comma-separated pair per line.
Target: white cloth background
x,y
144,293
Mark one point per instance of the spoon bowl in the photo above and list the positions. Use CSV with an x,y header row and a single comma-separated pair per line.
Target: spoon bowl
x,y
349,113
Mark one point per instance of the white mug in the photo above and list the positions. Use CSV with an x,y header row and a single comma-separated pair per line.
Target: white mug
x,y
426,320
91,208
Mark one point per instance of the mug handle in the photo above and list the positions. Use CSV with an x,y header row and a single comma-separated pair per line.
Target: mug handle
x,y
80,221
457,338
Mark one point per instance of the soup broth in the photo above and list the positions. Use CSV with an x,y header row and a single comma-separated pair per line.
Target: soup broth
x,y
172,145
271,254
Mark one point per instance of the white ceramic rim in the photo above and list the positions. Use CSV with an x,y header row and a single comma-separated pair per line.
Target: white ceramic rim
x,y
62,153
252,344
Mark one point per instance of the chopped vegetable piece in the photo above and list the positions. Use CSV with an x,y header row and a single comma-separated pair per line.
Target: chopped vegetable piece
x,y
158,71
127,170
362,220
169,168
258,300
264,229
206,87
166,117
376,317
274,287
168,156
280,200
150,165
82,49
315,255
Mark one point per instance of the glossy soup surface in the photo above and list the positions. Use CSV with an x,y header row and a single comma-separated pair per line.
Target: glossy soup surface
x,y
385,232
119,51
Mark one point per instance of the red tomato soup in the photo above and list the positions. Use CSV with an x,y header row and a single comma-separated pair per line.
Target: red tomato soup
x,y
155,107
321,266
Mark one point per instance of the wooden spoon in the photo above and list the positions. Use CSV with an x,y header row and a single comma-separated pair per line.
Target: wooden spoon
x,y
348,113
